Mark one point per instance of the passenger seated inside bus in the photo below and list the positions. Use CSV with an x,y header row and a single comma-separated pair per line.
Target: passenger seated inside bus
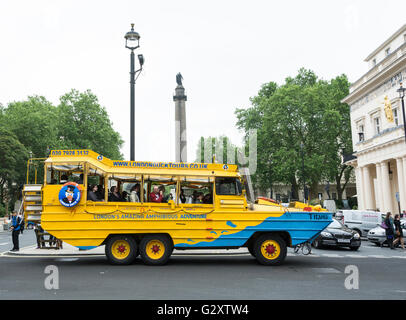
x,y
156,195
115,195
64,179
92,193
125,196
135,193
182,196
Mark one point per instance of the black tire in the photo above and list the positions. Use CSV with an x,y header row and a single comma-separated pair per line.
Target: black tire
x,y
163,242
112,251
272,239
317,243
354,248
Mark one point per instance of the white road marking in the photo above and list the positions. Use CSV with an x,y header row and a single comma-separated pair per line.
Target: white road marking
x,y
326,270
377,256
355,256
4,243
332,255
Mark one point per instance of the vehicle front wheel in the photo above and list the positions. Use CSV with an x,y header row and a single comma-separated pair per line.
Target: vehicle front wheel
x,y
316,243
270,250
121,249
155,249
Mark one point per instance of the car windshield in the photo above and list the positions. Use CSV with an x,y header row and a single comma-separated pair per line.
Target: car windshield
x,y
335,224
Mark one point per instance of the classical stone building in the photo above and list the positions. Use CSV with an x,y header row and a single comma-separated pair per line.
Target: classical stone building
x,y
377,128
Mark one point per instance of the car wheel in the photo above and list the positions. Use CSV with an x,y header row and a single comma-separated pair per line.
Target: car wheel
x,y
155,249
270,249
121,249
317,243
354,248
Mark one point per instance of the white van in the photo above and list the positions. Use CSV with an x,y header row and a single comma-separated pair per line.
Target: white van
x,y
359,220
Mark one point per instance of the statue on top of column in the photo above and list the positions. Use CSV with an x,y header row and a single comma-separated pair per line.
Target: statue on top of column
x,y
179,79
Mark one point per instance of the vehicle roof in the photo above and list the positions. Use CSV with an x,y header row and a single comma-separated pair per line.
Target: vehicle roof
x,y
142,167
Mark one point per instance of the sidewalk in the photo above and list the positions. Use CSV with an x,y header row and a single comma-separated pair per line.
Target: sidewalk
x,y
69,251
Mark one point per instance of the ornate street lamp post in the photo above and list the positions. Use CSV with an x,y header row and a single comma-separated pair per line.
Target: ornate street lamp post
x,y
401,91
132,42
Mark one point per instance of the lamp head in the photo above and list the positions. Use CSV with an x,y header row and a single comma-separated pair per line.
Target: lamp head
x,y
132,39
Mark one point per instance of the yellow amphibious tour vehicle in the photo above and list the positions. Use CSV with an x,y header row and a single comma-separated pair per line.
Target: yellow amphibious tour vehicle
x,y
149,208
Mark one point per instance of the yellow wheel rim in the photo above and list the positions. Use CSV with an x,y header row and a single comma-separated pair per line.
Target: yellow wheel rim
x,y
155,249
120,249
270,249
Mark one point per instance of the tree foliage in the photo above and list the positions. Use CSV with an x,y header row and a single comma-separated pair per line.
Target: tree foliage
x,y
300,121
34,126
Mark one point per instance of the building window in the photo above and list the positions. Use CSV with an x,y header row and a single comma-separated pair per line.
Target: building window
x,y
361,132
395,116
374,62
404,37
377,123
387,52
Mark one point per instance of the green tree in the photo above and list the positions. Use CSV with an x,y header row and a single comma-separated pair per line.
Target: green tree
x,y
303,119
34,122
84,124
13,157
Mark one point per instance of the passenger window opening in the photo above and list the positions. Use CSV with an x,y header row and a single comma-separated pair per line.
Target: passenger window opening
x,y
62,173
160,189
96,190
196,191
125,188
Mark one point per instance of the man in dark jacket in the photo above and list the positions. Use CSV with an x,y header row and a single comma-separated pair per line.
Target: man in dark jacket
x,y
15,227
389,230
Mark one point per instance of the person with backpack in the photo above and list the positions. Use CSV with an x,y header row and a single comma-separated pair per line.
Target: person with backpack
x,y
389,231
15,227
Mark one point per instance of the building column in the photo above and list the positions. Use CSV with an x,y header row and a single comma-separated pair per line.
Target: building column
x,y
386,189
367,189
379,196
360,188
401,183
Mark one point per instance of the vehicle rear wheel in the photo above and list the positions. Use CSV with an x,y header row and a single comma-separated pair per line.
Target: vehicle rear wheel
x,y
270,250
121,249
155,249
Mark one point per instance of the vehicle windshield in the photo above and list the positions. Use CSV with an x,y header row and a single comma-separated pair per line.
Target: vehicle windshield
x,y
335,224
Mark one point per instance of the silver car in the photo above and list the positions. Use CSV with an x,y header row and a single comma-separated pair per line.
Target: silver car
x,y
378,236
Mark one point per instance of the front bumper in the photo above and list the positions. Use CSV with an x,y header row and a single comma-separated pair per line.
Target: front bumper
x,y
336,243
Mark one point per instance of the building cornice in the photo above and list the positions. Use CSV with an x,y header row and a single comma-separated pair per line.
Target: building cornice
x,y
375,80
386,43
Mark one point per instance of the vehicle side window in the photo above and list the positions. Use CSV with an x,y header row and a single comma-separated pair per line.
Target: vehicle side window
x,y
196,191
228,186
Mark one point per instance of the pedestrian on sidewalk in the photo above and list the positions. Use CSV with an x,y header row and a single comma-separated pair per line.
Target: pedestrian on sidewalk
x,y
15,227
21,223
389,229
398,232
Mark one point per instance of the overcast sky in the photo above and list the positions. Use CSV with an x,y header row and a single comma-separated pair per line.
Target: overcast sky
x,y
225,51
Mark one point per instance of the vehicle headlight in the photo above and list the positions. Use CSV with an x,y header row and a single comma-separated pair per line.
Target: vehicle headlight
x,y
326,234
356,235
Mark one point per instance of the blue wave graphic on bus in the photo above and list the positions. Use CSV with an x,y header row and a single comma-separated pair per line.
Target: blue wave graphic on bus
x,y
299,225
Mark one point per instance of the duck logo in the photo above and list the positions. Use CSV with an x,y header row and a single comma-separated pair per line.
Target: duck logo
x,y
70,194
100,157
225,167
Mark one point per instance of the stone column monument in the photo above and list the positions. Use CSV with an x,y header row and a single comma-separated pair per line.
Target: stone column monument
x,y
180,121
